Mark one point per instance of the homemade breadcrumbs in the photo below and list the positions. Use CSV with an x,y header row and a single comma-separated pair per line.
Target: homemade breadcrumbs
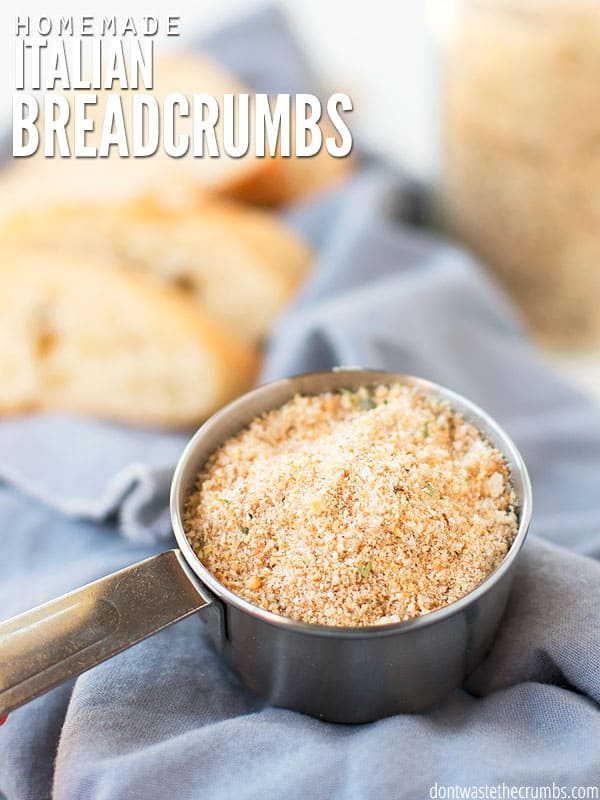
x,y
354,508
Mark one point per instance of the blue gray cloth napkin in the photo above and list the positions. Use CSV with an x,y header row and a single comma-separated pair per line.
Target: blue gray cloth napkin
x,y
80,498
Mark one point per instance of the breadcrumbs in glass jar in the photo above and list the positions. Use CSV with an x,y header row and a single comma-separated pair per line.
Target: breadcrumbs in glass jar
x,y
522,161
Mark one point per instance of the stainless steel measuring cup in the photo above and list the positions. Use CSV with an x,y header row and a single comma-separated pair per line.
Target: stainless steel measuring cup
x,y
335,673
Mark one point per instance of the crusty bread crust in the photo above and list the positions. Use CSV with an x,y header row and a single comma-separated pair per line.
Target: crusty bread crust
x,y
293,179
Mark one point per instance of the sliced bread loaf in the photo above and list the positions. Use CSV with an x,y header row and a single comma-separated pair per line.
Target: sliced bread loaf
x,y
239,265
82,335
29,181
260,180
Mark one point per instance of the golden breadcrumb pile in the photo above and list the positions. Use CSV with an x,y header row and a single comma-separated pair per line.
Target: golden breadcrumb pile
x,y
354,508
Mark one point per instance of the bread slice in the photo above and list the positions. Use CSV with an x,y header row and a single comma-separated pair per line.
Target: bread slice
x,y
239,265
38,179
192,73
85,336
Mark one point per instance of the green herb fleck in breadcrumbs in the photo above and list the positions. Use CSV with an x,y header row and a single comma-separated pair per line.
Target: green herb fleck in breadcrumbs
x,y
364,569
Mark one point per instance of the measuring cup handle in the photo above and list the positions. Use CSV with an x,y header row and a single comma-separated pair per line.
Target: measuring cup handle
x,y
64,637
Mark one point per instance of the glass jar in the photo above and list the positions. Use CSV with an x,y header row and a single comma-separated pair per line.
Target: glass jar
x,y
521,182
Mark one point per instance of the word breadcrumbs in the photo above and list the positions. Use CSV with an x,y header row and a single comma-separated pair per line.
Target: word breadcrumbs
x,y
354,508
